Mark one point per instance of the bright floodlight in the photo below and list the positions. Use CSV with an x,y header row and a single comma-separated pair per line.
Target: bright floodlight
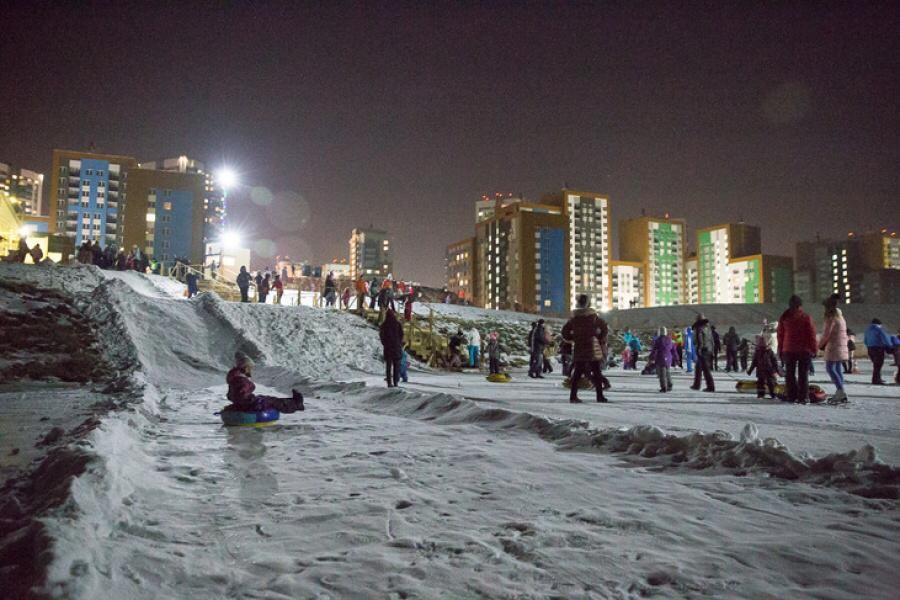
x,y
231,239
227,178
26,230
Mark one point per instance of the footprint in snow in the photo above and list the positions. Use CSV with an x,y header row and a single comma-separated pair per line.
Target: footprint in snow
x,y
403,504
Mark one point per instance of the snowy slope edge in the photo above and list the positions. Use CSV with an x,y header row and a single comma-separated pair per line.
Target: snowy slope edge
x,y
858,472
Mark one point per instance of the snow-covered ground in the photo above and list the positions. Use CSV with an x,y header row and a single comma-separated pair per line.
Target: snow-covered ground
x,y
446,487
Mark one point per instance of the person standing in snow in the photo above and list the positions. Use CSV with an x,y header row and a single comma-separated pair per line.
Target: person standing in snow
x,y
473,338
732,341
493,352
689,348
664,355
192,288
717,347
264,289
766,365
851,348
391,334
744,352
588,334
634,344
243,283
797,342
362,291
330,290
278,286
705,345
36,254
678,340
241,388
878,344
538,342
373,292
258,280
834,344
404,366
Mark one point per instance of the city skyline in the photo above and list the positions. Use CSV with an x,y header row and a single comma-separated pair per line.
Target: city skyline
x,y
350,116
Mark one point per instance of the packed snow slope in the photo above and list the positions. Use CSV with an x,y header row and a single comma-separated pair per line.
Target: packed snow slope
x,y
447,489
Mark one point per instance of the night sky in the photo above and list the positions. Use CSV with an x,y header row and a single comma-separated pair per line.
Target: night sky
x,y
402,115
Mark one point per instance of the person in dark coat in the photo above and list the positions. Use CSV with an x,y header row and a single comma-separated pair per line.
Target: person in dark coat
x,y
243,282
717,347
36,253
374,287
565,355
191,280
705,347
264,289
797,344
241,388
732,342
538,342
588,334
391,334
744,352
766,365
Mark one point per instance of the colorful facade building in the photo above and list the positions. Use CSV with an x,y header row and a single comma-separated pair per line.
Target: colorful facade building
x,y
658,244
627,287
521,258
461,272
717,246
164,215
87,194
761,278
370,253
213,193
691,280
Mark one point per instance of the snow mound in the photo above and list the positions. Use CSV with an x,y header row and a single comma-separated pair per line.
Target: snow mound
x,y
859,471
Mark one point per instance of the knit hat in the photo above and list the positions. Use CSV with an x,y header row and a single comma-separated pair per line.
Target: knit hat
x,y
662,331
242,360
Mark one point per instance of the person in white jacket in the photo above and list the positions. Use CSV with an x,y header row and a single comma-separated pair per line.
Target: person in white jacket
x,y
474,340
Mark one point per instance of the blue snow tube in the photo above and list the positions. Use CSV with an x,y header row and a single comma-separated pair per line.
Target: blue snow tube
x,y
236,418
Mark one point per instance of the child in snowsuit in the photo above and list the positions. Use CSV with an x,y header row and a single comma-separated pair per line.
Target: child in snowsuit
x,y
240,391
766,365
664,355
404,366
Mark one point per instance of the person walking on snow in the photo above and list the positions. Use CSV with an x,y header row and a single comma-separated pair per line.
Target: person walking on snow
x,y
834,344
744,352
731,341
537,350
717,347
766,365
703,339
878,344
278,286
797,342
473,339
391,334
588,334
634,344
689,349
664,355
243,283
241,388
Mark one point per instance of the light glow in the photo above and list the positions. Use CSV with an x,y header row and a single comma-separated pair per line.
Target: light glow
x,y
227,178
231,240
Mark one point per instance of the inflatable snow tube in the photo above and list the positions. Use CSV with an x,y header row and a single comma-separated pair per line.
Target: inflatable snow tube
x,y
746,385
236,418
499,378
584,384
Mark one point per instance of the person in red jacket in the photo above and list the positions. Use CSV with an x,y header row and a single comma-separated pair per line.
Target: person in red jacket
x,y
797,344
241,388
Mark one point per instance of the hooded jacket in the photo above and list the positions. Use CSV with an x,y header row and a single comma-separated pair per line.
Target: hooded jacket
x,y
796,332
663,352
588,333
240,388
834,337
703,336
876,337
391,334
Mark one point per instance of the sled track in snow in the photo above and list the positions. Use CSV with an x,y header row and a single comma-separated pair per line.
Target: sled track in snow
x,y
858,472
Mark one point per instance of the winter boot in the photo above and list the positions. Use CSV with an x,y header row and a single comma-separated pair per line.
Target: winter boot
x,y
574,400
298,399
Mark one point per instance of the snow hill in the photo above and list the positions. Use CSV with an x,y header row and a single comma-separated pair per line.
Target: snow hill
x,y
447,487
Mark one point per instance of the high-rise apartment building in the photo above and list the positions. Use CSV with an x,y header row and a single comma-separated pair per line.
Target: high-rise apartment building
x,y
716,247
461,273
691,280
853,267
761,278
486,207
370,253
521,259
658,244
588,223
87,195
23,188
214,194
626,285
164,214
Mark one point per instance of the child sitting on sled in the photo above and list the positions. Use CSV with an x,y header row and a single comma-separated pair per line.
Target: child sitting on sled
x,y
240,391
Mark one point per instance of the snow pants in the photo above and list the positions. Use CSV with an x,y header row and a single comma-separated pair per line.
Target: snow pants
x,y
731,363
473,356
764,381
796,387
244,294
590,368
665,378
704,368
876,355
494,365
392,371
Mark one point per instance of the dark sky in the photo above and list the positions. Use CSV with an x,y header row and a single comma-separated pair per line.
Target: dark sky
x,y
783,114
